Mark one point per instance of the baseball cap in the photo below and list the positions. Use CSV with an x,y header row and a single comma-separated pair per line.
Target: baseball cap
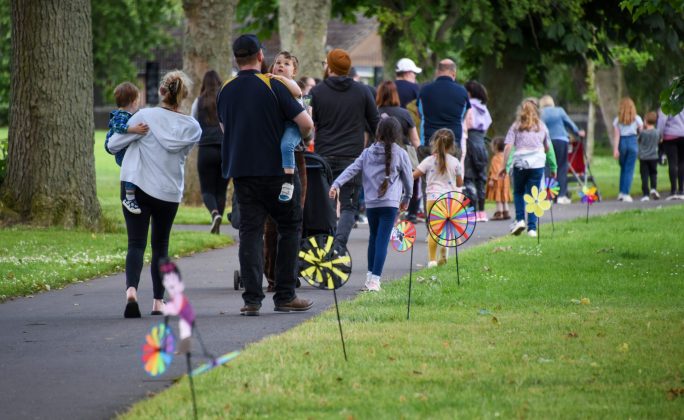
x,y
406,64
246,45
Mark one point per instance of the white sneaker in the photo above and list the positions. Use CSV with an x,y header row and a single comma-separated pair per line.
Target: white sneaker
x,y
645,198
374,284
655,195
131,206
563,200
532,233
627,198
517,227
620,197
216,224
432,264
286,192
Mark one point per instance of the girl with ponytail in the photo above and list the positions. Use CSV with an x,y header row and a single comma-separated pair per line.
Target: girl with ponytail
x,y
388,186
444,173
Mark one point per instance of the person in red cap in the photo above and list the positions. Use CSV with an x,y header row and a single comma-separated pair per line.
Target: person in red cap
x,y
342,108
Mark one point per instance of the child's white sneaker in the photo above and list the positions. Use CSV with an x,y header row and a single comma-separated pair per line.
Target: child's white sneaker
x,y
131,206
286,192
517,227
655,195
432,264
532,233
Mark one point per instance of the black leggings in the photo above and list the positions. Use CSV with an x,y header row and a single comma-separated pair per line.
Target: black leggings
x,y
212,183
162,214
674,149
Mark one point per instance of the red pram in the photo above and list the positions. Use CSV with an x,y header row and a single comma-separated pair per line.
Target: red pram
x,y
578,165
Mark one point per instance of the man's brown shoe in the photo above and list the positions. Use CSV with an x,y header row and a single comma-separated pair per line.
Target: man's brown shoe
x,y
250,310
296,305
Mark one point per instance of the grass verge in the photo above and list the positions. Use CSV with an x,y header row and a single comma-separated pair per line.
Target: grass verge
x,y
588,325
35,260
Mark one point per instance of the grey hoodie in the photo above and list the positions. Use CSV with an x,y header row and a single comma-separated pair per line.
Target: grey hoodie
x,y
155,162
670,127
371,164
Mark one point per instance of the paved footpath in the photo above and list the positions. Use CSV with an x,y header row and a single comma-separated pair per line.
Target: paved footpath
x,y
70,354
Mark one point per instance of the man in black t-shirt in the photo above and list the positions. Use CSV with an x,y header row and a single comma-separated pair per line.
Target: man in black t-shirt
x,y
407,88
253,109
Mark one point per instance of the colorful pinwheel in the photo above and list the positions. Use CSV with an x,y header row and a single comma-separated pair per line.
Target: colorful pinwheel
x,y
219,361
552,187
589,195
536,202
403,236
321,266
451,220
157,352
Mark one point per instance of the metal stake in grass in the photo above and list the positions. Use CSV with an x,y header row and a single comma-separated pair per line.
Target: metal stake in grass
x,y
326,267
402,238
589,196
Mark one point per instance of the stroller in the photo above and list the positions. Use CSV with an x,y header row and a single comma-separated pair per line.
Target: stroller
x,y
319,214
578,164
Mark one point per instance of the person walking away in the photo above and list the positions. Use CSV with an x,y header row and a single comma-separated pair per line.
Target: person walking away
x,y
477,122
407,88
342,109
387,181
212,183
558,122
529,136
155,163
499,189
253,109
626,126
648,141
444,174
671,130
127,97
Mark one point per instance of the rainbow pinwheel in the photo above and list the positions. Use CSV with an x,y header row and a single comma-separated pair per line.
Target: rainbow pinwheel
x,y
403,236
552,187
157,352
589,195
219,361
321,266
451,220
536,202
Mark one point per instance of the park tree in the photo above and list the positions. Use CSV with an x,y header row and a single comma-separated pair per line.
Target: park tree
x,y
303,31
206,46
51,175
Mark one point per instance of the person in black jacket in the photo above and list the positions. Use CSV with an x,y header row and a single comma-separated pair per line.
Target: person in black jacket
x,y
342,109
212,183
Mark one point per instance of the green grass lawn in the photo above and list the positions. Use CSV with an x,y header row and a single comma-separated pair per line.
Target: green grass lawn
x,y
588,325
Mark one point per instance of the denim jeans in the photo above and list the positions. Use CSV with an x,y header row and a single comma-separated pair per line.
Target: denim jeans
x,y
291,138
560,148
380,224
257,198
628,156
349,198
523,181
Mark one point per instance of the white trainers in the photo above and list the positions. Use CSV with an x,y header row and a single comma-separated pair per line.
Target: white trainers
x,y
131,205
517,227
655,195
432,264
286,192
216,224
563,200
627,198
532,233
620,197
645,198
374,284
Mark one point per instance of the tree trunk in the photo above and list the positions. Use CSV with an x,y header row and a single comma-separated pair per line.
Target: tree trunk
x,y
610,85
51,165
303,32
591,114
505,87
390,52
206,46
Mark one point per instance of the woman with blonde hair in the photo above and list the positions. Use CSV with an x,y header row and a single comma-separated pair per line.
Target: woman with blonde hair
x,y
627,125
530,137
155,163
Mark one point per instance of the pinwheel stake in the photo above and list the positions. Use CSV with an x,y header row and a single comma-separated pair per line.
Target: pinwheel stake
x,y
160,343
325,268
537,204
402,239
552,189
589,196
451,222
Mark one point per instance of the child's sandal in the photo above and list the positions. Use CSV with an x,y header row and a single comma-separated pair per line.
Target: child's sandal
x,y
497,216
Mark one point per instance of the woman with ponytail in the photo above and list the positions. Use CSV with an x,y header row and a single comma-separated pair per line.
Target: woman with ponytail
x,y
443,174
388,186
155,163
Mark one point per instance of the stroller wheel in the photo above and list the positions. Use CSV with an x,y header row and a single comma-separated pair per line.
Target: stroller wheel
x,y
236,280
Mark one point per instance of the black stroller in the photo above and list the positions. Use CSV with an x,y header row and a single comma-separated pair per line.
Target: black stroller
x,y
319,215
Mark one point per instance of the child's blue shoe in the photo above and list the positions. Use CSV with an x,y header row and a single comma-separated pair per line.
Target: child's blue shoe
x,y
286,192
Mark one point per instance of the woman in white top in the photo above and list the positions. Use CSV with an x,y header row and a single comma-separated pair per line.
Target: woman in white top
x,y
626,127
155,163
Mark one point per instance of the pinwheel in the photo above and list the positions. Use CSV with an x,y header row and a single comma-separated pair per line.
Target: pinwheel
x,y
537,204
552,189
589,195
214,363
157,352
325,267
452,221
402,238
